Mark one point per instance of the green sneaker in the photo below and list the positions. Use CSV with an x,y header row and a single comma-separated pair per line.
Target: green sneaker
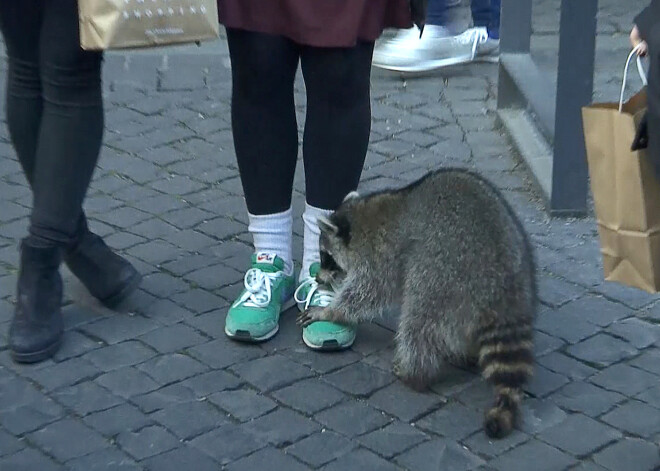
x,y
255,315
321,335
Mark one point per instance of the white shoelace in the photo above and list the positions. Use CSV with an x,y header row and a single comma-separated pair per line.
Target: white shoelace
x,y
258,288
474,36
325,297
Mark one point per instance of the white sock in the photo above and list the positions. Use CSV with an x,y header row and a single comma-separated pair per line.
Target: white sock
x,y
272,233
311,235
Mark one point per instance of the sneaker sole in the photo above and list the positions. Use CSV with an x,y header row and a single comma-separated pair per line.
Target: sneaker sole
x,y
426,66
35,357
328,346
246,337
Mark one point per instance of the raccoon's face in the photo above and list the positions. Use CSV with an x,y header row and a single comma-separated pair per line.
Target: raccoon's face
x,y
334,243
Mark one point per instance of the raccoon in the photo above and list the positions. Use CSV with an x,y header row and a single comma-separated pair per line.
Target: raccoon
x,y
450,253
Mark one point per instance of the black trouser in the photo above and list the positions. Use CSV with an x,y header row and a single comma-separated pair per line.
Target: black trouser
x,y
265,131
54,111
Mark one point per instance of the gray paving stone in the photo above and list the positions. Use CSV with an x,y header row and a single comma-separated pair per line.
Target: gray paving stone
x,y
639,333
586,398
272,372
29,459
120,355
172,367
579,435
544,457
181,458
75,345
119,328
454,421
9,444
393,439
200,301
480,444
127,382
118,419
537,415
359,379
211,382
62,374
636,418
556,292
309,396
162,285
359,459
149,441
169,395
352,418
439,454
567,324
631,454
243,404
544,382
87,397
173,338
598,310
566,366
648,361
227,443
267,458
651,396
544,344
625,379
190,419
321,448
404,403
602,350
108,459
68,439
281,427
222,353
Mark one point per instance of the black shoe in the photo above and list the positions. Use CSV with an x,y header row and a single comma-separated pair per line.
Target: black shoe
x,y
107,276
36,330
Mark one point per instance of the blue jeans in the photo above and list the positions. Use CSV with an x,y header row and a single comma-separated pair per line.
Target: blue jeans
x,y
484,13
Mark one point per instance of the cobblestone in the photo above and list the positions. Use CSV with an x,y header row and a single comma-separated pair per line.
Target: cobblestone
x,y
158,386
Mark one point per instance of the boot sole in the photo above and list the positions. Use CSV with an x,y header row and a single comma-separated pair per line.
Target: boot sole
x,y
35,357
117,298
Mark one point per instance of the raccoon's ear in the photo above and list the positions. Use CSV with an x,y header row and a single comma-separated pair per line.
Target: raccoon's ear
x,y
327,226
343,228
351,195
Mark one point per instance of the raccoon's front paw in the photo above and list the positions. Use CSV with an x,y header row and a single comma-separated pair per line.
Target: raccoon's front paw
x,y
315,314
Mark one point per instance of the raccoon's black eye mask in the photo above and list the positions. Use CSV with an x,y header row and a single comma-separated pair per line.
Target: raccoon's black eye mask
x,y
328,262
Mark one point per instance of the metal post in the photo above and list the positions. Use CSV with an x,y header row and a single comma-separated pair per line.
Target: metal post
x,y
516,26
575,80
515,37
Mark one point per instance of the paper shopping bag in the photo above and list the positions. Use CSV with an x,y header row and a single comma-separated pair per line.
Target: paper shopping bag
x,y
121,24
626,194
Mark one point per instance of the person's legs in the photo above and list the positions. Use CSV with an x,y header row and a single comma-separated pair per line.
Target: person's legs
x,y
335,144
266,144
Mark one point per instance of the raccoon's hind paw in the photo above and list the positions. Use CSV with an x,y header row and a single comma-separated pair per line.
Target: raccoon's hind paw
x,y
415,383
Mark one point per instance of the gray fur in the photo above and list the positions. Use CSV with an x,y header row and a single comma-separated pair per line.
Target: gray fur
x,y
450,252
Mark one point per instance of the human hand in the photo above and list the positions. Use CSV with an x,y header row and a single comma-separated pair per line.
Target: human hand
x,y
636,39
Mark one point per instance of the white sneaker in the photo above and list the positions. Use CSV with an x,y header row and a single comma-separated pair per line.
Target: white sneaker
x,y
407,50
471,45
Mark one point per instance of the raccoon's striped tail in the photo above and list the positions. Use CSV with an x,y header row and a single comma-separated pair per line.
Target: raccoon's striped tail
x,y
506,359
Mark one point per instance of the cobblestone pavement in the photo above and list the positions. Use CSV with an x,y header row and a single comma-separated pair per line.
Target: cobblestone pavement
x,y
159,387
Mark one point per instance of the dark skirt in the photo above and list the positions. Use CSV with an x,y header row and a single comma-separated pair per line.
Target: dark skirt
x,y
321,23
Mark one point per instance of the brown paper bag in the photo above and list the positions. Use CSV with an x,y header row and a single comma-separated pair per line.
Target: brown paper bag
x,y
626,194
122,24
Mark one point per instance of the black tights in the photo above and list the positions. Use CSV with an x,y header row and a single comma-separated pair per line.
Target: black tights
x,y
54,111
265,131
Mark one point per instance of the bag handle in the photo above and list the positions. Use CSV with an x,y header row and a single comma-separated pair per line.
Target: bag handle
x,y
640,71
